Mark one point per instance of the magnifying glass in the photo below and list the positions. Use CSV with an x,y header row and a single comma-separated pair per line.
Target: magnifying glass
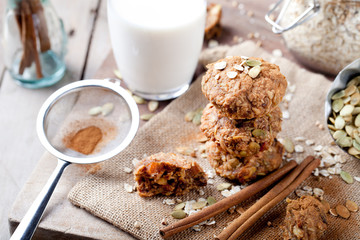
x,y
63,116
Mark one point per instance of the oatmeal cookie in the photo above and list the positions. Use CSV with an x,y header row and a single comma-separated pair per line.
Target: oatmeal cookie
x,y
244,169
168,173
305,219
212,25
239,92
244,137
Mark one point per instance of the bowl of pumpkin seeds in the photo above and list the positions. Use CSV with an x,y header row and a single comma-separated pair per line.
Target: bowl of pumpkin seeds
x,y
342,109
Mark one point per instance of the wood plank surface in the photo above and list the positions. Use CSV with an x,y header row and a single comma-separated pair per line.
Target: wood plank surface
x,y
100,46
241,19
20,148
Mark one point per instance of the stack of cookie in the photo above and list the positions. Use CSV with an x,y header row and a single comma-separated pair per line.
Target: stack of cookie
x,y
243,117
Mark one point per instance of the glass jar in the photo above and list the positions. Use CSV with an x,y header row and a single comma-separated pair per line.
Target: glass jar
x,y
34,42
323,34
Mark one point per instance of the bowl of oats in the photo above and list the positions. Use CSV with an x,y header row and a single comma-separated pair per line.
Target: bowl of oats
x,y
342,109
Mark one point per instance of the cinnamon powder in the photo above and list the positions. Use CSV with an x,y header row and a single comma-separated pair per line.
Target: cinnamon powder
x,y
85,140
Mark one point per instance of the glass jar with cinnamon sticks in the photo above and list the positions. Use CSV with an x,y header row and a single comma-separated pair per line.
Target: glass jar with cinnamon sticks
x,y
34,43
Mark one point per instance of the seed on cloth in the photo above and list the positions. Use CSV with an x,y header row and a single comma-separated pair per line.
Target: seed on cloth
x,y
351,206
342,211
137,225
346,177
223,186
333,212
128,188
178,214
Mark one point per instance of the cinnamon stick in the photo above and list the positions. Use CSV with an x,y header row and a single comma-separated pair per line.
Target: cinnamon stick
x,y
28,39
228,202
264,209
264,200
42,31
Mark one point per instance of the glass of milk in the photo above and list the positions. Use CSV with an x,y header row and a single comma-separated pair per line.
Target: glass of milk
x,y
156,44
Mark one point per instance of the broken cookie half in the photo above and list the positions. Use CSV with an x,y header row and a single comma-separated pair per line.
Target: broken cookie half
x,y
167,174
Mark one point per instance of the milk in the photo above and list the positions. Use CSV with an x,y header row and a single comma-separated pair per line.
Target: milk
x,y
156,43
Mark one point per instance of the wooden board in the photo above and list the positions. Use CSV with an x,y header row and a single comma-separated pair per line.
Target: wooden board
x,y
62,220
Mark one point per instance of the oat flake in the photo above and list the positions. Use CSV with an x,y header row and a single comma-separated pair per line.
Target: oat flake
x,y
231,74
220,65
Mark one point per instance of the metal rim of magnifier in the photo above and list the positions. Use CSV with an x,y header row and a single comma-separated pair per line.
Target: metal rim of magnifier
x,y
44,110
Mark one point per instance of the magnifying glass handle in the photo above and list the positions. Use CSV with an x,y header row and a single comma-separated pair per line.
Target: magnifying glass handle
x,y
28,224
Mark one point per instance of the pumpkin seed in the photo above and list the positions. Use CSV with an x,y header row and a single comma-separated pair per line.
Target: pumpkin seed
x,y
355,99
259,133
130,92
118,74
223,186
344,142
289,145
254,72
147,117
243,153
179,206
178,214
340,122
354,81
356,145
349,130
351,206
254,147
357,120
346,100
348,119
253,62
353,151
220,65
107,109
199,204
339,134
211,200
153,105
355,134
333,212
346,110
332,127
197,118
350,90
342,211
337,105
356,111
139,100
326,205
332,120
338,95
346,177
189,116
95,111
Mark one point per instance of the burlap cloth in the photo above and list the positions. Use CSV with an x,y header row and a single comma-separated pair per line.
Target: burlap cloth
x,y
102,192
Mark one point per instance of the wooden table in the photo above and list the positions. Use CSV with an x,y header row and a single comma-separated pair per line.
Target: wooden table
x,y
88,47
